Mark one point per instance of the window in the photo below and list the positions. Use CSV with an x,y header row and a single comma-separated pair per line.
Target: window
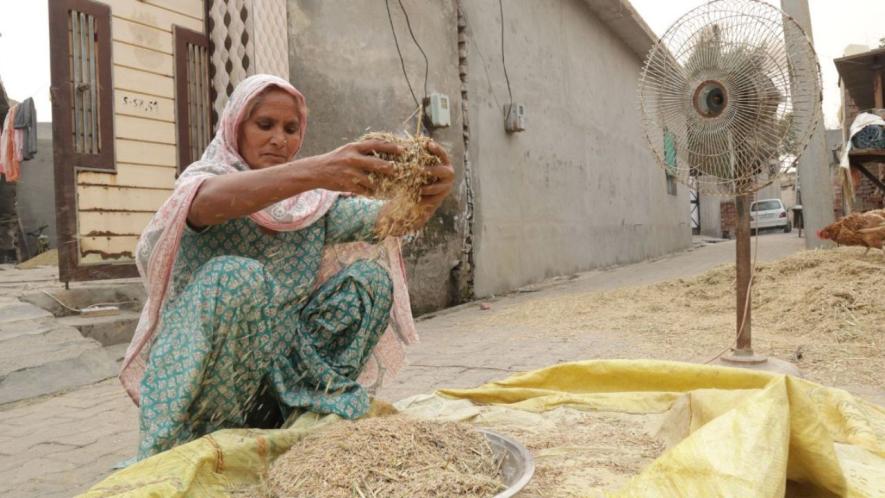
x,y
192,95
81,64
671,184
766,206
670,160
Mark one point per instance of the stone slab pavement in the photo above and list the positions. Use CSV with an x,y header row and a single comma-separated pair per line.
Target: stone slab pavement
x,y
61,445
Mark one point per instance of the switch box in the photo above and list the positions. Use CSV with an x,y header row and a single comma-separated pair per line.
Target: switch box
x,y
438,111
514,117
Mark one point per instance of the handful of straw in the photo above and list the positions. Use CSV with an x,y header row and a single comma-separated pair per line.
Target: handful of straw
x,y
402,190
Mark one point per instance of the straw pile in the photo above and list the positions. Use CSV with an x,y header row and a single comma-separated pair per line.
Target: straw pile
x,y
48,258
393,456
403,189
822,309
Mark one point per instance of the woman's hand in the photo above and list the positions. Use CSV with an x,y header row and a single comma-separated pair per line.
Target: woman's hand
x,y
433,194
347,168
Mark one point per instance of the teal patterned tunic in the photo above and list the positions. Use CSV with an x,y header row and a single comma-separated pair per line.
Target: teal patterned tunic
x,y
246,336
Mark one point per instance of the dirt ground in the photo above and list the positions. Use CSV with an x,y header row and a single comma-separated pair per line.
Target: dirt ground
x,y
821,310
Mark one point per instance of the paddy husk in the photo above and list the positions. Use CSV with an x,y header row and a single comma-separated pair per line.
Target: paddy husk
x,y
394,456
402,190
823,310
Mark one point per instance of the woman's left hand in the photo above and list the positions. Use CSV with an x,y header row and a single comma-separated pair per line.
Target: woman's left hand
x,y
433,194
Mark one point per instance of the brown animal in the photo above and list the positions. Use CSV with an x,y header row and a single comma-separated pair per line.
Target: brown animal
x,y
857,229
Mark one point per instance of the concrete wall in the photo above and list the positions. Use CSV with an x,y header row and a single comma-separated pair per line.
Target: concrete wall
x,y
579,188
36,189
711,215
772,191
342,57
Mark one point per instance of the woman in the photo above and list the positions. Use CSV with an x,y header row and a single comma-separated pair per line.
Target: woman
x,y
265,295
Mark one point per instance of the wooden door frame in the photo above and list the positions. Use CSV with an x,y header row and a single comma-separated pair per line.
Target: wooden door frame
x,y
66,161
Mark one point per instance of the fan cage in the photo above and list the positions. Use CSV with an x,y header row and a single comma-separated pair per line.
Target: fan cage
x,y
730,96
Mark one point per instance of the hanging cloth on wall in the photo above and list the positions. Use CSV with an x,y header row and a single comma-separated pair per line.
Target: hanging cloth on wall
x,y
9,164
4,112
4,104
26,121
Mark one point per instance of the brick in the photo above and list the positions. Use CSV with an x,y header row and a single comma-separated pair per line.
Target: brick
x,y
102,411
35,468
87,436
37,451
19,423
87,474
8,462
45,490
81,402
30,438
81,455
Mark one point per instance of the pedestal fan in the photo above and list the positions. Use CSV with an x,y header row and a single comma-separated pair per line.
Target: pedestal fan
x,y
730,96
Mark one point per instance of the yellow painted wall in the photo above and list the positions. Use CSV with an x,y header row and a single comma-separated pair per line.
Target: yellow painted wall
x,y
113,208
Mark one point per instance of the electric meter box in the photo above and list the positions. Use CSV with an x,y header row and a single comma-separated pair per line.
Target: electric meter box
x,y
439,111
514,117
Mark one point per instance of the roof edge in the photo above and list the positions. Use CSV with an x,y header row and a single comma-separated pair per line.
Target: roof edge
x,y
625,21
861,56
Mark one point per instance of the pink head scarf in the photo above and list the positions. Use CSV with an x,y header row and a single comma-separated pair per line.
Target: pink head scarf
x,y
159,242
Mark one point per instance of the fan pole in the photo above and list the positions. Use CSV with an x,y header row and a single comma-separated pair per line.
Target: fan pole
x,y
743,352
743,256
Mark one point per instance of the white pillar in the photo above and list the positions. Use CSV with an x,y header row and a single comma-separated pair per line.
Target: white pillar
x,y
814,169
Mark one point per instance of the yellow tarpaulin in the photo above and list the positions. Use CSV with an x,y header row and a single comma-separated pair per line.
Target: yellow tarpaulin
x,y
737,433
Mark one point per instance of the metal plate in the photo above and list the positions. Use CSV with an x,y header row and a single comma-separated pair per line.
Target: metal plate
x,y
517,465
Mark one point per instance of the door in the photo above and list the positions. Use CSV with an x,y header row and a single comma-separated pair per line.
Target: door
x,y
117,69
695,206
82,130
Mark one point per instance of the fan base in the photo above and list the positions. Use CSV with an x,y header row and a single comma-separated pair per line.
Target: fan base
x,y
774,365
744,356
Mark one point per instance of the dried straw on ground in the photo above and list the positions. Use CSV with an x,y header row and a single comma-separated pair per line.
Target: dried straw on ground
x,y
825,310
403,189
579,453
48,258
392,456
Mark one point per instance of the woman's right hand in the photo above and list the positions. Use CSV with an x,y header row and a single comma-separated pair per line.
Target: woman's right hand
x,y
347,168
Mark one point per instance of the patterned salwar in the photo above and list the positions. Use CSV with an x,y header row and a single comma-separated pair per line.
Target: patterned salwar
x,y
245,325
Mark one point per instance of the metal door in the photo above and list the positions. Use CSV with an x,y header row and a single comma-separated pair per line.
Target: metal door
x,y
695,206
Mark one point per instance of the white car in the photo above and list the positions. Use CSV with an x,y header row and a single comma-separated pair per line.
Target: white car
x,y
769,213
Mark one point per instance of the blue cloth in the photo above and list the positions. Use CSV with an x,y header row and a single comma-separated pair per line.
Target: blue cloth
x,y
245,327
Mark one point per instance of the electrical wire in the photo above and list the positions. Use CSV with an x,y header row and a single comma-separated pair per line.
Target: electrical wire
x,y
399,51
81,310
418,104
61,303
414,39
503,61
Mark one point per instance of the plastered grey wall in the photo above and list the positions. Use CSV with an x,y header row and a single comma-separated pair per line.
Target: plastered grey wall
x,y
711,215
579,188
772,191
36,188
343,58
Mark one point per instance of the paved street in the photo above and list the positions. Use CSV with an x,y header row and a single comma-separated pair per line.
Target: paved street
x,y
60,445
